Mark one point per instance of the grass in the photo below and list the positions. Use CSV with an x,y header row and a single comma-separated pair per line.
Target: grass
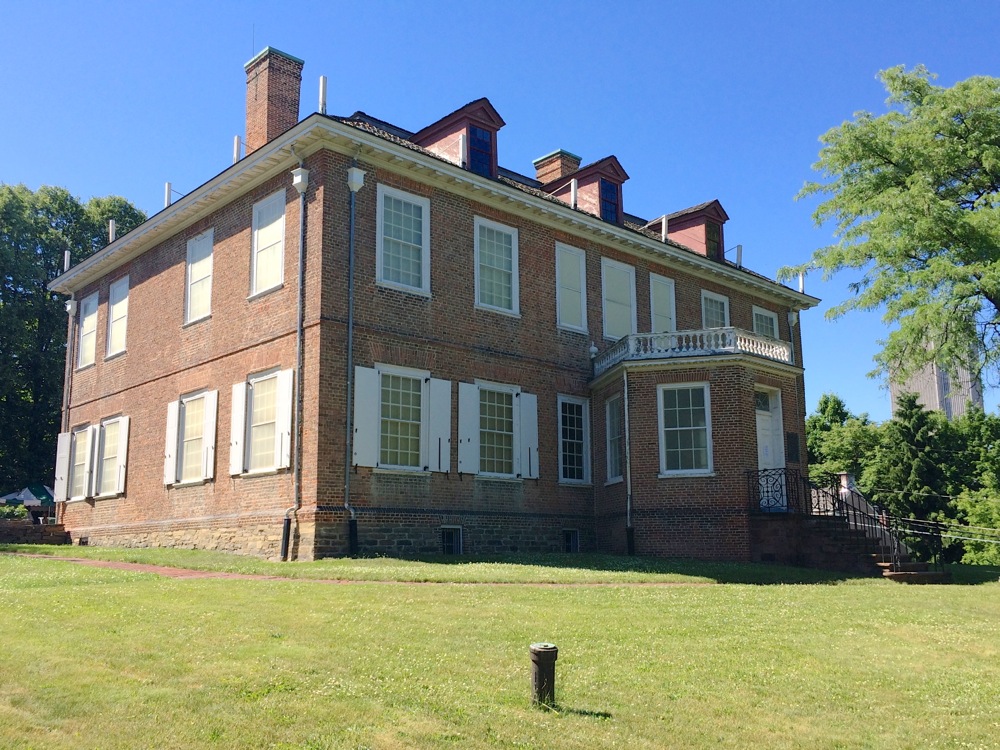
x,y
99,658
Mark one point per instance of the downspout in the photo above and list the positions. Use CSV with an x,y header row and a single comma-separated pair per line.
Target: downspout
x,y
300,181
355,181
68,372
629,530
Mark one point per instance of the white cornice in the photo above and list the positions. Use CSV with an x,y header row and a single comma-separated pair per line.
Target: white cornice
x,y
317,131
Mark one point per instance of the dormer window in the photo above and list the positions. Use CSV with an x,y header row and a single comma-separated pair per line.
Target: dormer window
x,y
713,235
480,151
609,201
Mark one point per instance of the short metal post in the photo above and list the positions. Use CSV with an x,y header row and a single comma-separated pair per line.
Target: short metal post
x,y
543,673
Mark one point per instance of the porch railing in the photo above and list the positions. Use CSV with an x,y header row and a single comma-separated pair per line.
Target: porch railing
x,y
640,346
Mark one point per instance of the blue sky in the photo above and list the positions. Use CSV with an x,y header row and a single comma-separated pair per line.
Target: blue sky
x,y
697,100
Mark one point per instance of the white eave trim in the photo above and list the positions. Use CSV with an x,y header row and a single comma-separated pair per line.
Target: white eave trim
x,y
317,130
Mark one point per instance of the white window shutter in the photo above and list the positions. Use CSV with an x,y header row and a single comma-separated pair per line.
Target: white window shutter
x,y
283,420
237,429
123,424
439,418
170,443
63,447
529,435
89,474
366,416
468,428
208,435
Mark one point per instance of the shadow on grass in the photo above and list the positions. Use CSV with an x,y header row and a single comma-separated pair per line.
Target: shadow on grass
x,y
973,575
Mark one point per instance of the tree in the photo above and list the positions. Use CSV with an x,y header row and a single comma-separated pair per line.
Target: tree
x,y
36,228
837,440
914,197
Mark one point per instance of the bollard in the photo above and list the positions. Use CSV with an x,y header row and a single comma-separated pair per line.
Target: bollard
x,y
543,673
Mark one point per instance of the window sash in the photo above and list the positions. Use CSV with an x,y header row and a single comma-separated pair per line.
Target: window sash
x,y
262,422
662,304
117,316
765,322
107,459
609,201
79,457
685,430
571,288
496,432
191,437
480,151
88,331
496,266
574,440
618,293
268,243
199,276
615,438
714,310
400,419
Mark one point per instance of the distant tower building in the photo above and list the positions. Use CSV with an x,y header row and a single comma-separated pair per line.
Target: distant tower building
x,y
938,391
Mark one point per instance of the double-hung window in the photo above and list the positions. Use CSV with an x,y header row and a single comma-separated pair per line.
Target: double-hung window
x,y
117,316
111,456
480,151
685,429
609,201
198,304
496,266
713,240
714,310
618,290
497,431
268,252
189,452
261,430
403,259
88,331
661,304
765,322
91,461
615,433
574,440
79,463
402,419
571,288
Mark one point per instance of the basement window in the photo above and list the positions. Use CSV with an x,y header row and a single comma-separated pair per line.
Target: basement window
x,y
451,540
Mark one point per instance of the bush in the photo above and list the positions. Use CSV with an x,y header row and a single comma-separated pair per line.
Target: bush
x,y
13,512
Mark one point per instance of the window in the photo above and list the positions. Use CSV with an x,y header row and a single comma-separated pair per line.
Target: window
x,y
79,474
618,289
88,331
261,434
571,540
496,266
609,201
480,151
571,288
685,432
714,310
451,540
574,439
268,264
117,316
108,464
404,246
402,419
661,304
199,277
765,322
189,454
615,437
713,240
497,430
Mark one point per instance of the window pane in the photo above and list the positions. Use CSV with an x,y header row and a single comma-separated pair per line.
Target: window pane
x,y
714,312
88,330
615,438
573,441
199,276
108,481
496,432
662,296
269,244
192,425
617,289
402,242
78,462
117,315
685,429
263,412
496,263
764,325
570,272
400,423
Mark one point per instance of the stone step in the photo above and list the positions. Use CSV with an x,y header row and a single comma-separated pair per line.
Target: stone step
x,y
905,567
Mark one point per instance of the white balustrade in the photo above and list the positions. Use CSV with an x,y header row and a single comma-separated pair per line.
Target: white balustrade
x,y
640,346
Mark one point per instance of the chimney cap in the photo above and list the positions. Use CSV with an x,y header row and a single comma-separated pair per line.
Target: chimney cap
x,y
557,152
266,52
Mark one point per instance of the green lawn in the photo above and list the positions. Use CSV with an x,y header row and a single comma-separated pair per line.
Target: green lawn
x,y
98,658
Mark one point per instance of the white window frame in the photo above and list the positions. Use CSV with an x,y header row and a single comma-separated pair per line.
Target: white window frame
x,y
241,424
193,245
515,391
424,377
609,479
668,283
121,457
706,295
258,207
585,403
173,453
86,465
561,252
525,443
425,240
773,316
607,263
87,349
664,472
515,308
117,313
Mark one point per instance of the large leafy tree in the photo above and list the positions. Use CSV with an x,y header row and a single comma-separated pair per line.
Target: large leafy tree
x,y
838,440
914,199
36,229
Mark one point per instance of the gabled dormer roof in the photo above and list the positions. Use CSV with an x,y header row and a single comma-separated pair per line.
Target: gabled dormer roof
x,y
711,209
480,112
609,168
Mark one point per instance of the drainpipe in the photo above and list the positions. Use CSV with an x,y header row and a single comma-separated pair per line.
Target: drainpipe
x,y
300,181
355,181
68,371
629,530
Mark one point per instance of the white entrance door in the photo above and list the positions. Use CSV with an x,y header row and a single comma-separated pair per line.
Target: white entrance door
x,y
770,451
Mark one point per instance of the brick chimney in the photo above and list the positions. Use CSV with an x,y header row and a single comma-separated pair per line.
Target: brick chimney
x,y
555,165
274,80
